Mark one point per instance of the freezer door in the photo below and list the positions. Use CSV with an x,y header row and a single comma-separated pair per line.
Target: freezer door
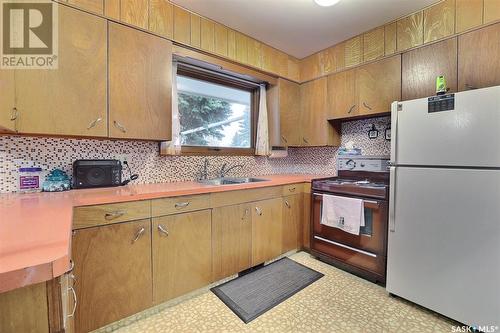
x,y
444,242
468,135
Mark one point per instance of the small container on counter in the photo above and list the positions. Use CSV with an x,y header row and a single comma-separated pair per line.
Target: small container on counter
x,y
29,179
56,181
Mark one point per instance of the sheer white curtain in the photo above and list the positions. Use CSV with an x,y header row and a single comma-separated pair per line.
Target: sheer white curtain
x,y
174,147
262,147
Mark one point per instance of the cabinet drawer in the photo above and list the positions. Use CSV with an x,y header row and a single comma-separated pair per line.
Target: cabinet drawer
x,y
228,198
174,205
89,216
293,189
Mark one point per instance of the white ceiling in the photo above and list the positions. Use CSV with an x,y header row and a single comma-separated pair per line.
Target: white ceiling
x,y
300,27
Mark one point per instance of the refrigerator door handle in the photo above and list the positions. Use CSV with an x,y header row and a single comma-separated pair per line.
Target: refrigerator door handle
x,y
395,107
392,199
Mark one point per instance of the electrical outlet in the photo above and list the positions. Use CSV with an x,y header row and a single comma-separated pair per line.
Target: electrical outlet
x,y
122,157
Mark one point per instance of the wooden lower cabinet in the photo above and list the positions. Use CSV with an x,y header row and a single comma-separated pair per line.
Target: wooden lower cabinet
x,y
231,240
293,210
182,254
112,272
25,310
266,230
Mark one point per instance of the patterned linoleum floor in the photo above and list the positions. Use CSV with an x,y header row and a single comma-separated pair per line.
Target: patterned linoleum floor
x,y
338,302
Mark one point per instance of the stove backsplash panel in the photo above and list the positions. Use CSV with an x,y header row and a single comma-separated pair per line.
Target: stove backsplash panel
x,y
144,159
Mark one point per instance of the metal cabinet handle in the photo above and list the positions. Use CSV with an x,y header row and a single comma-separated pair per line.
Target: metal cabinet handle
x,y
119,126
138,235
245,214
94,122
305,140
180,205
292,189
162,230
14,114
367,106
72,314
259,211
351,108
113,215
287,204
284,139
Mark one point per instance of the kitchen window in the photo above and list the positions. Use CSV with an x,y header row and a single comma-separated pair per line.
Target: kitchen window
x,y
217,112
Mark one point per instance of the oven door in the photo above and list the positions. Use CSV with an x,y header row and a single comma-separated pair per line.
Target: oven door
x,y
366,250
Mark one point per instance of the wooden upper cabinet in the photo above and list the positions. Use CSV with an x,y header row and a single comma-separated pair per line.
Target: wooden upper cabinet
x,y
293,211
231,240
420,67
8,113
113,273
208,37
439,21
316,130
289,110
342,101
478,58
140,84
161,17
267,218
182,25
491,10
354,51
182,254
69,100
378,85
220,44
135,12
410,31
469,14
373,44
95,6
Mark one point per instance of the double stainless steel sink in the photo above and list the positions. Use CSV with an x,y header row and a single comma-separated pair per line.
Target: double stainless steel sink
x,y
231,181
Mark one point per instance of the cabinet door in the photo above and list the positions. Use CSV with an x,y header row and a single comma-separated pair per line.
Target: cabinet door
x,y
342,95
293,213
140,84
378,85
478,54
25,310
112,272
266,230
7,102
316,131
231,240
182,254
289,100
69,100
421,67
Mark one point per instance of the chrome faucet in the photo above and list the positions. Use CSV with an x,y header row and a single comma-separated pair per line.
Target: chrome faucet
x,y
224,169
203,173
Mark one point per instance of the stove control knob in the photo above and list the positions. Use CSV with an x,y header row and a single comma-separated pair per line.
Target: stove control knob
x,y
350,164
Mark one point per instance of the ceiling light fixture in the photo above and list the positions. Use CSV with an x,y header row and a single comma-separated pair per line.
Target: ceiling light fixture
x,y
326,3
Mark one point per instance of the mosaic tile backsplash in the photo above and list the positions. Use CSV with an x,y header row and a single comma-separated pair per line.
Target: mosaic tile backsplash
x,y
144,159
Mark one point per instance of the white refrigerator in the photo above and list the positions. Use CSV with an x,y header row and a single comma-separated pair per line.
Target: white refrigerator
x,y
444,212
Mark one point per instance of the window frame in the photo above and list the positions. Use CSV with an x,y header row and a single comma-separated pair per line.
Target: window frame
x,y
227,81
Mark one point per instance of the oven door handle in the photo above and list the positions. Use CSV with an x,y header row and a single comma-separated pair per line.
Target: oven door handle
x,y
373,202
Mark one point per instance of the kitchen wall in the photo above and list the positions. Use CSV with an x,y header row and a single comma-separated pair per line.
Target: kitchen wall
x,y
144,159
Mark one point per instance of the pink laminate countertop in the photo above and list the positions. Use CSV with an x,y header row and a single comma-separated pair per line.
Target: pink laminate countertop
x,y
35,229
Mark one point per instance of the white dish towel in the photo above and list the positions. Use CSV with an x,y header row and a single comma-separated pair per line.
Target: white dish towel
x,y
347,214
